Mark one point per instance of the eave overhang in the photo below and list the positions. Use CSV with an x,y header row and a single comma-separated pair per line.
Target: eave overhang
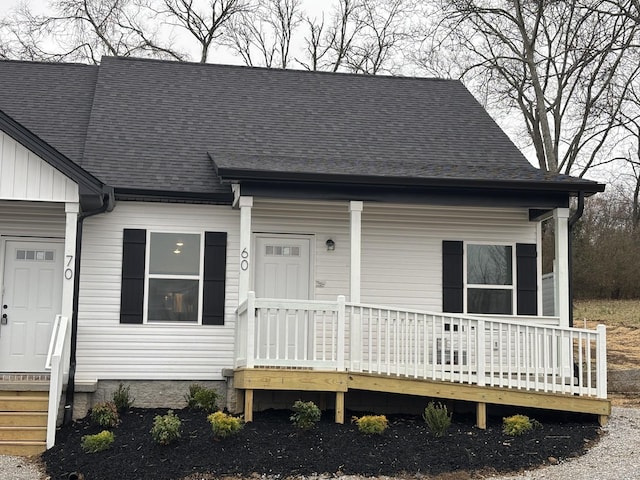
x,y
449,190
92,191
174,196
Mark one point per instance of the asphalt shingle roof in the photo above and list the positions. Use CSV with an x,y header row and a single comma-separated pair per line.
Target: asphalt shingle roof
x,y
156,125
52,100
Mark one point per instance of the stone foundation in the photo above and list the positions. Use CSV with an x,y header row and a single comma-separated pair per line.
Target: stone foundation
x,y
145,393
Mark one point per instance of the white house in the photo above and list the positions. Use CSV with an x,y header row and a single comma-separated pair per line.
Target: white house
x,y
272,230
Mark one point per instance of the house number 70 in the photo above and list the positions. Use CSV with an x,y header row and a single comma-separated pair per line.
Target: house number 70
x,y
68,272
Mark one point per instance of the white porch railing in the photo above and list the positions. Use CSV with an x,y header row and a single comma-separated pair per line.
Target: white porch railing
x,y
58,346
516,353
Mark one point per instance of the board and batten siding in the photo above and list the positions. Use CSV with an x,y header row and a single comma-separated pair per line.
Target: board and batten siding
x,y
108,349
322,221
402,247
26,176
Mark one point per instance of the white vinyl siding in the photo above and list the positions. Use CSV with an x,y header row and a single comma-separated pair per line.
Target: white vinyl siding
x,y
30,219
25,176
324,220
401,266
108,349
402,247
401,244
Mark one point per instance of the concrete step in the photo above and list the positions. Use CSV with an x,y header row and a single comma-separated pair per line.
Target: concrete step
x,y
22,448
23,433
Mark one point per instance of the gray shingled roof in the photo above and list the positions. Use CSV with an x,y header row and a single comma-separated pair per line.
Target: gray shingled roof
x,y
52,100
156,125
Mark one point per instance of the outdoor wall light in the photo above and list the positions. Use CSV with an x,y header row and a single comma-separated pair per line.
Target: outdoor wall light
x,y
331,245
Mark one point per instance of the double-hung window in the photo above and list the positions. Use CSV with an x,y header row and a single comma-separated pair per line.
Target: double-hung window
x,y
500,279
174,277
489,278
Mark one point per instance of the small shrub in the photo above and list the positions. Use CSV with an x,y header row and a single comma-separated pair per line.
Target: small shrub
x,y
516,425
305,414
166,428
372,424
122,398
437,418
105,414
98,442
224,425
202,397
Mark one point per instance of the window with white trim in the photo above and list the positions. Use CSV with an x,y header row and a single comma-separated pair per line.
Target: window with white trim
x,y
174,277
490,277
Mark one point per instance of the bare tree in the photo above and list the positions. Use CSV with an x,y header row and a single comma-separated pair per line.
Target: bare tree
x,y
553,62
263,35
361,36
204,24
84,30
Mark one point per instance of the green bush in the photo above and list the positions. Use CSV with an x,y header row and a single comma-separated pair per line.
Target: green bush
x,y
105,414
202,397
166,428
437,418
516,425
305,414
98,442
122,398
224,425
372,424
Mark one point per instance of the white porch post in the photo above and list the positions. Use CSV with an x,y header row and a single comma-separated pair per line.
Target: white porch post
x,y
561,224
245,204
355,211
72,209
355,328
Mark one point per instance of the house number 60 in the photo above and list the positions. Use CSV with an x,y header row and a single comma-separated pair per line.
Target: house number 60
x,y
244,264
68,272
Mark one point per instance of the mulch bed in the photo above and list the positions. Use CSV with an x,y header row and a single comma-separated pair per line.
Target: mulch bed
x,y
271,445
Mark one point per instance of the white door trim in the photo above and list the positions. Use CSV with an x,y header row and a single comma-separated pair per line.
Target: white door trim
x,y
312,256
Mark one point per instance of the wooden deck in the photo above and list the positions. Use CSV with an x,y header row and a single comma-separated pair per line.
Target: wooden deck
x,y
340,383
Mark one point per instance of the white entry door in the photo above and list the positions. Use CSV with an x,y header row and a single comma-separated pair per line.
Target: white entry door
x,y
32,297
283,266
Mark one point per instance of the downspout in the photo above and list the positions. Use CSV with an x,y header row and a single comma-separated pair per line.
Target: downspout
x,y
107,206
572,221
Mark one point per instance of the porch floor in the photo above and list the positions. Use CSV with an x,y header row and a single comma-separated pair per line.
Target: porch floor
x,y
249,379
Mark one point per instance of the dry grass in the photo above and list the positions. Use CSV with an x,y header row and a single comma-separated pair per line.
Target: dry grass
x,y
609,312
622,318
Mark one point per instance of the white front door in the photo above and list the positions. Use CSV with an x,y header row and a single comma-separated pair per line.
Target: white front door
x,y
283,266
32,297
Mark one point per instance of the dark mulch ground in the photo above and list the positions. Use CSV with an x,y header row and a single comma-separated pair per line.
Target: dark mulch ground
x,y
271,445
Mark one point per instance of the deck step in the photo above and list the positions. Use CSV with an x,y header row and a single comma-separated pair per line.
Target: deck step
x,y
23,403
38,434
22,448
23,422
23,419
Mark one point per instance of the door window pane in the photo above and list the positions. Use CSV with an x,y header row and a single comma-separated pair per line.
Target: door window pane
x,y
489,300
489,265
174,254
173,300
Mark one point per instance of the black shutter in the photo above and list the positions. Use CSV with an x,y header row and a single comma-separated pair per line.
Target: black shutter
x,y
452,281
132,286
215,269
527,275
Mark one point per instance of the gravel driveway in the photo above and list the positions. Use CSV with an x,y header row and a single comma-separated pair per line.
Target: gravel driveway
x,y
615,457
